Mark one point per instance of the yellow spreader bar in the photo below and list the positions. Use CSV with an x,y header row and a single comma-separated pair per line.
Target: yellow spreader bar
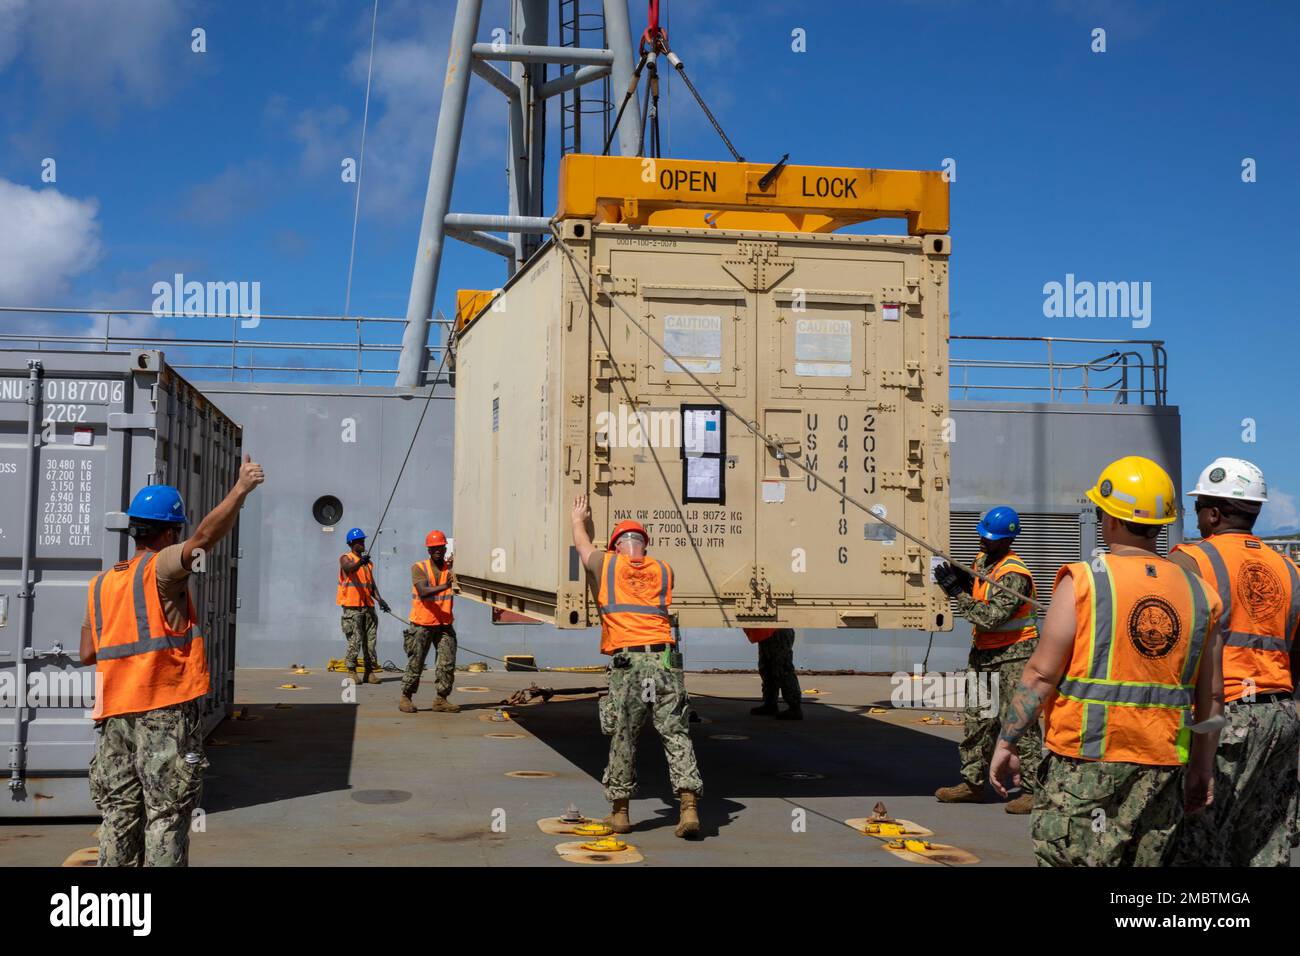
x,y
702,195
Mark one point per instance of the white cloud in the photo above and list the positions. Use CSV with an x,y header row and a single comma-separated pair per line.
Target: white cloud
x,y
96,51
1281,512
13,16
405,96
48,239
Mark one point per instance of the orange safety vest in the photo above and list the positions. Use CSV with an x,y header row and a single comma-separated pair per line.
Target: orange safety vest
x,y
1128,691
1260,591
1021,626
141,663
436,610
758,635
356,587
634,598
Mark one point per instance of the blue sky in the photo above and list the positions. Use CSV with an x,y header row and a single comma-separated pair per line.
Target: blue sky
x,y
1117,166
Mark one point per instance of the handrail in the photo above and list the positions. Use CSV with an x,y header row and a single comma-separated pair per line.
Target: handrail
x,y
1126,374
1138,378
234,342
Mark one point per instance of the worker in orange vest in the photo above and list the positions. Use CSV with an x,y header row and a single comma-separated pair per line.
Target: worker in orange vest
x,y
635,593
1004,633
151,668
431,626
1129,672
1255,789
357,595
777,672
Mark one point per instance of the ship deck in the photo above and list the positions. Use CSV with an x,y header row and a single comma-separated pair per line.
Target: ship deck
x,y
307,779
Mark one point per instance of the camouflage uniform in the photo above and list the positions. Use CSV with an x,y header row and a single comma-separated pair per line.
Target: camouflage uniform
x,y
417,639
361,624
1255,791
1008,663
146,778
634,676
1104,813
776,668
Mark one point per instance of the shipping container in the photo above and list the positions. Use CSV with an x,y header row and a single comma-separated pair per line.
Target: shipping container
x,y
833,346
80,432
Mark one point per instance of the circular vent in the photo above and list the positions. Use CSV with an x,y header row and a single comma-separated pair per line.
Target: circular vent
x,y
327,510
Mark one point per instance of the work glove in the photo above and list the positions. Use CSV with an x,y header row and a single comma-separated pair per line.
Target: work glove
x,y
363,560
945,575
383,606
964,578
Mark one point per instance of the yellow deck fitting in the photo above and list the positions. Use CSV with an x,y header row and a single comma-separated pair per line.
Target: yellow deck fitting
x,y
886,829
607,845
693,194
87,856
592,830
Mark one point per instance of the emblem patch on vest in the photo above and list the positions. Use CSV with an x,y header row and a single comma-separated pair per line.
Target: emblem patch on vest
x,y
1259,589
1154,627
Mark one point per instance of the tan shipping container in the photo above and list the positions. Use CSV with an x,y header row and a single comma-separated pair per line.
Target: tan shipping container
x,y
833,346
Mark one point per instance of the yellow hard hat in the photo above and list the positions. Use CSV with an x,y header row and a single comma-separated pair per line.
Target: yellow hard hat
x,y
1135,489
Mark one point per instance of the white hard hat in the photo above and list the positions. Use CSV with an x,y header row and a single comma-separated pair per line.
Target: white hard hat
x,y
1234,479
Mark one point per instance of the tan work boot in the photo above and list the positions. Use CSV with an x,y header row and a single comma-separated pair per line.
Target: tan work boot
x,y
372,677
1022,804
688,823
406,705
619,820
444,706
964,792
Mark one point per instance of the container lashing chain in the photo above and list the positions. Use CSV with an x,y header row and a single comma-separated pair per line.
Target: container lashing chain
x,y
774,446
654,43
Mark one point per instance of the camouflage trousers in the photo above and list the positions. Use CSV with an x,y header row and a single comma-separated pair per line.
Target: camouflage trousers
x,y
1005,665
361,628
146,778
417,639
1100,813
640,685
776,668
1250,822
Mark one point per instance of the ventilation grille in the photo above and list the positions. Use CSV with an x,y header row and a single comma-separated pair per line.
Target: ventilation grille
x,y
1162,542
1045,542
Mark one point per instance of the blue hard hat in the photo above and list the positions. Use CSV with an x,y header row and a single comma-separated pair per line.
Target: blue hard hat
x,y
356,534
1000,522
158,503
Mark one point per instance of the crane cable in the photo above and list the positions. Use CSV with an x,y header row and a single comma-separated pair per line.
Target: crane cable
x,y
811,473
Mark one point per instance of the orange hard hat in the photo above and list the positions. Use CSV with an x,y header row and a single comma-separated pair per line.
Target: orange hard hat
x,y
624,527
435,539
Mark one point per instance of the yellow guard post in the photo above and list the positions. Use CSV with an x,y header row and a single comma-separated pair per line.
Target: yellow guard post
x,y
700,195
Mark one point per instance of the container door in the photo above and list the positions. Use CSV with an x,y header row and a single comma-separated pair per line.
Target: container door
x,y
828,329
673,459
79,467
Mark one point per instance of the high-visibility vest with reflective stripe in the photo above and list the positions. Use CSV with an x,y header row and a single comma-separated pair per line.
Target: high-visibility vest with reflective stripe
x,y
142,663
1260,591
435,610
356,587
634,598
1021,626
1128,691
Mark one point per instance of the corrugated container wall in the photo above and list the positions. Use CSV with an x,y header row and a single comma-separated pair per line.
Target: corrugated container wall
x,y
105,425
834,346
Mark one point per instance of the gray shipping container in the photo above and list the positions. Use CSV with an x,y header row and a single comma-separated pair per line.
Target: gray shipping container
x,y
80,432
